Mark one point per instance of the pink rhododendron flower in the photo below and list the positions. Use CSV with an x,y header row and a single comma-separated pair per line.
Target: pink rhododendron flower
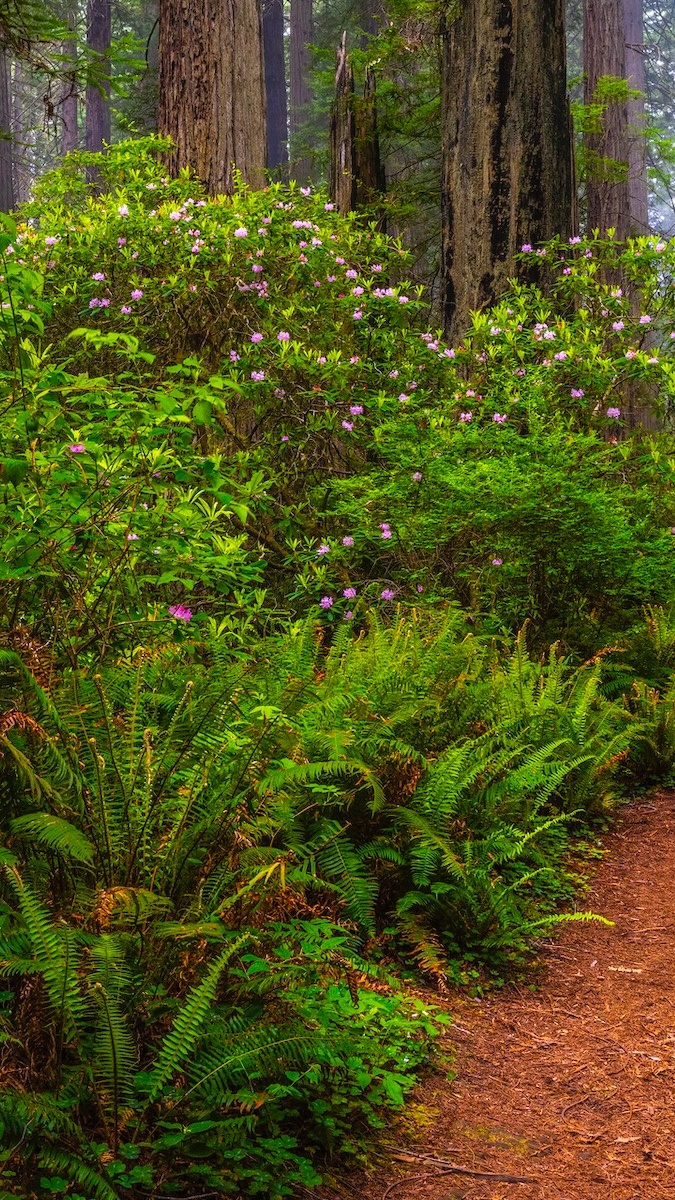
x,y
180,612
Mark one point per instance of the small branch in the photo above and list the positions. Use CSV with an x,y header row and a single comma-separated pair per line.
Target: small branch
x,y
447,1168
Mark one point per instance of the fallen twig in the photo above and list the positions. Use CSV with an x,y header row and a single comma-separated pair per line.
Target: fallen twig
x,y
447,1168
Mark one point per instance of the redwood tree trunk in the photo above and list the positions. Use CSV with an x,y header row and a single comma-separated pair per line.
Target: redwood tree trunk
x,y
638,199
69,105
616,184
6,183
212,89
97,132
507,157
301,94
275,84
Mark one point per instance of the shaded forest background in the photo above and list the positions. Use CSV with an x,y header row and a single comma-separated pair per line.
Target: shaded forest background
x,y
84,75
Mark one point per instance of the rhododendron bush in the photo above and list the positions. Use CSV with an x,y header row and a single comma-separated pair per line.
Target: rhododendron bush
x,y
230,406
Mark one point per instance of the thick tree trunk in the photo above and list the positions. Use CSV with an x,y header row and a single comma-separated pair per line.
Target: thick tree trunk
x,y
616,184
99,34
275,84
6,181
507,160
301,94
637,142
69,104
212,89
607,205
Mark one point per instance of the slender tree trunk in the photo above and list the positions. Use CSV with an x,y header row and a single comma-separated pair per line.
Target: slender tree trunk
x,y
6,181
637,142
20,121
99,34
212,89
369,22
616,184
507,160
69,103
148,86
275,84
301,94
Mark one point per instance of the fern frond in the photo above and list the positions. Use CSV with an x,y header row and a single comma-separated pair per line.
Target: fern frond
x,y
188,1026
56,834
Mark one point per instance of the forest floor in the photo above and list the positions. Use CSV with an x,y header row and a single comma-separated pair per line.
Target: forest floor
x,y
569,1083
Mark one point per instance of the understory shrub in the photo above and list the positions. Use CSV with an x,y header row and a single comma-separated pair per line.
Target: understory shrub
x,y
229,407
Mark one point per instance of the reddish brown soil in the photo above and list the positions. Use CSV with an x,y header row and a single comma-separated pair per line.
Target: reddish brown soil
x,y
573,1083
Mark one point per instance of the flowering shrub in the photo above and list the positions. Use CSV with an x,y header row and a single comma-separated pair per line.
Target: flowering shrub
x,y
257,367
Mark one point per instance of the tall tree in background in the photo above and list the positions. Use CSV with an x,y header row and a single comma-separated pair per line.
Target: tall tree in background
x,y
99,35
637,146
506,140
6,181
616,183
212,89
301,92
69,103
275,84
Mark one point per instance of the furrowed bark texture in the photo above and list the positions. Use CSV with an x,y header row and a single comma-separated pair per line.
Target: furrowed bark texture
x,y
275,84
507,158
301,94
607,151
637,143
616,186
97,131
212,89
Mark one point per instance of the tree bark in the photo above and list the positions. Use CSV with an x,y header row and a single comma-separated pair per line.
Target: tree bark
x,y
507,157
6,181
212,89
99,36
342,134
301,93
638,198
23,135
616,183
369,169
275,84
69,101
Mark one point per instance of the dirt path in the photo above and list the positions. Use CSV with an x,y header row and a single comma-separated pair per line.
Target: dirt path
x,y
573,1085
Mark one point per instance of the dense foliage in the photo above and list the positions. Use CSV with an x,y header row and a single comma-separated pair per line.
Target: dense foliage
x,y
322,644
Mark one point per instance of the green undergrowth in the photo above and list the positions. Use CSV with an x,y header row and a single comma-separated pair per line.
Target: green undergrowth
x,y
326,650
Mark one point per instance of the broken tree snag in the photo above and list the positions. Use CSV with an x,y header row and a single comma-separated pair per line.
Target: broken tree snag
x,y
368,167
357,178
343,135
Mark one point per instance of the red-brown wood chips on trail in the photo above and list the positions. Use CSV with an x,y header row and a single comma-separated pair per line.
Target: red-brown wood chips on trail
x,y
574,1085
